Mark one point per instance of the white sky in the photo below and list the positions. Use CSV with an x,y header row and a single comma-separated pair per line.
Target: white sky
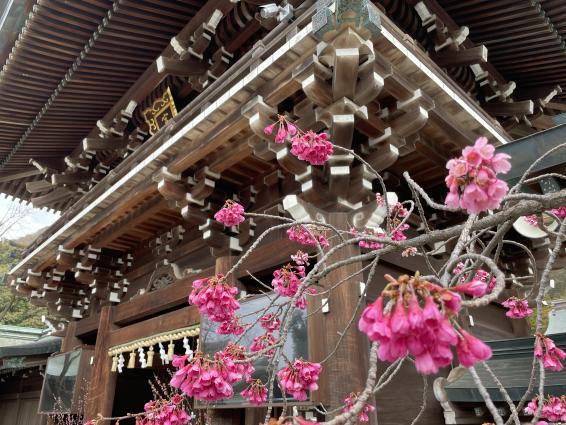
x,y
33,221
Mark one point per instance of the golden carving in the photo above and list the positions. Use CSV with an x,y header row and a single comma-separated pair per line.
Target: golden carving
x,y
162,110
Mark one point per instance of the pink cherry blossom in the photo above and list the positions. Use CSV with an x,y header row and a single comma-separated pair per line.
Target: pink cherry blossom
x,y
263,342
270,322
163,412
255,393
518,308
553,409
559,212
301,258
409,252
204,378
307,235
269,129
286,280
349,404
214,298
369,244
231,214
298,378
231,327
474,288
551,355
413,323
471,350
472,179
311,147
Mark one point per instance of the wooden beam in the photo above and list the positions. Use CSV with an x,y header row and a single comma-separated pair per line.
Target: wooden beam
x,y
465,57
182,68
177,319
109,143
20,175
38,186
559,106
524,107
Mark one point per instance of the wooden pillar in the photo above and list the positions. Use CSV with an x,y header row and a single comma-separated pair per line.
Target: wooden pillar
x,y
346,370
103,380
70,341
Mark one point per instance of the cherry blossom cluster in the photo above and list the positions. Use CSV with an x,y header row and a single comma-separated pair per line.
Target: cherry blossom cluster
x,y
472,179
553,408
301,258
551,355
482,282
349,404
417,321
255,392
215,298
164,412
270,322
307,235
263,342
231,327
559,212
299,377
286,282
210,378
518,308
369,244
231,214
315,148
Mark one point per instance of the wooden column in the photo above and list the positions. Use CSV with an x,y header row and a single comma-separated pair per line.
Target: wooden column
x,y
103,380
346,370
70,341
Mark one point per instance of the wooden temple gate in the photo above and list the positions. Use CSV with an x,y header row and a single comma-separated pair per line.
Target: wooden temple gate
x,y
121,261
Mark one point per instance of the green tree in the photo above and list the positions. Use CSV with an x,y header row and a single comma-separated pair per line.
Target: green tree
x,y
15,310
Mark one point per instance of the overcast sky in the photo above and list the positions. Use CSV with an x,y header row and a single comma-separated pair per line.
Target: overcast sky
x,y
33,221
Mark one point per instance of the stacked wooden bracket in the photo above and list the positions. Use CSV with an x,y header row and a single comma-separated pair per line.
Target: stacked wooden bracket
x,y
79,277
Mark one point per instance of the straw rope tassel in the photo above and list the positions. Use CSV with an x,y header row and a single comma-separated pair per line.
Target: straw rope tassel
x,y
150,354
171,350
114,363
132,361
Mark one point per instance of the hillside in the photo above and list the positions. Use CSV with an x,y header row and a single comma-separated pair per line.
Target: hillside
x,y
14,310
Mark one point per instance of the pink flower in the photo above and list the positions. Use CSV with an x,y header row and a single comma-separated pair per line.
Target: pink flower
x,y
263,342
255,393
552,356
205,379
230,214
553,408
270,322
559,212
298,378
363,415
409,252
425,332
518,308
368,243
301,258
472,179
269,129
162,412
471,350
474,288
500,163
300,234
532,406
311,147
231,326
286,280
214,298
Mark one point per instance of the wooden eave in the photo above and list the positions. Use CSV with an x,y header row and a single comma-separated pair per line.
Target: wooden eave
x,y
213,126
526,39
51,85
